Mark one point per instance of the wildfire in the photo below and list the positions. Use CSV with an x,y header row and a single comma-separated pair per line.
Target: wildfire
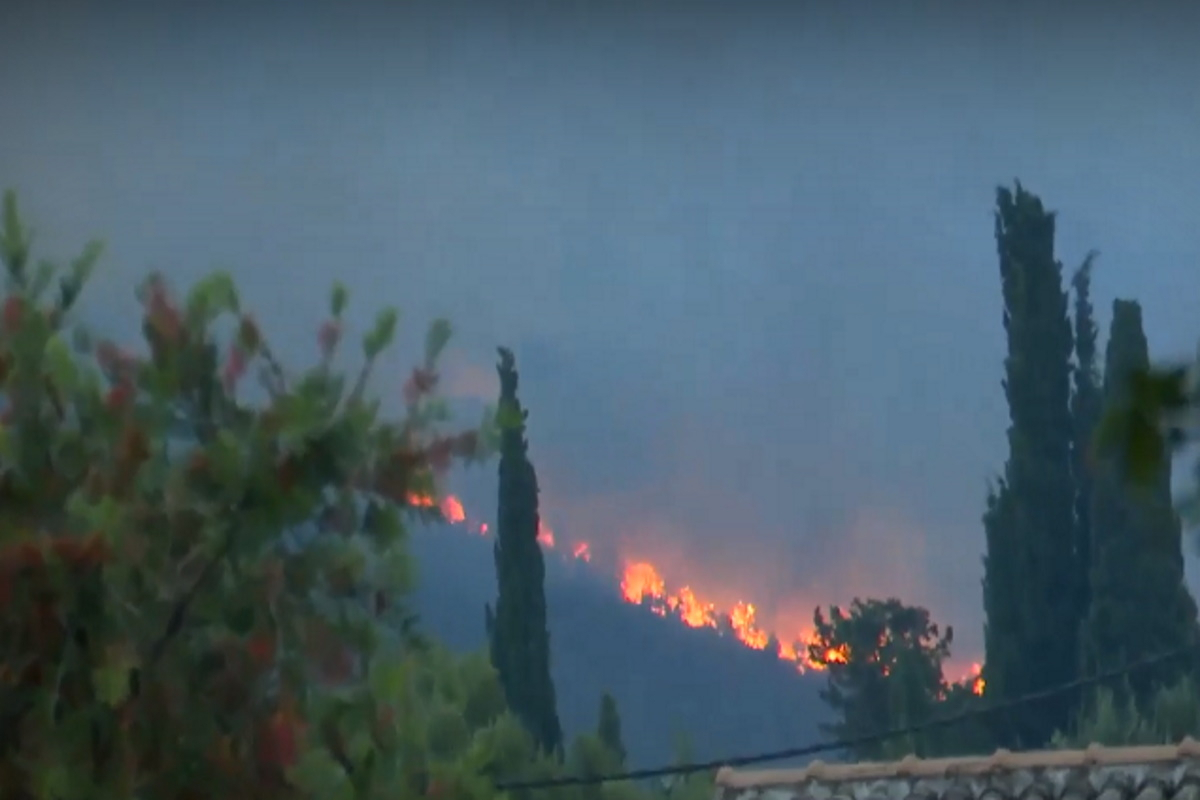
x,y
978,684
643,584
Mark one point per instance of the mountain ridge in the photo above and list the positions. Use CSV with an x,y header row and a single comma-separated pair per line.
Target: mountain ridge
x,y
669,679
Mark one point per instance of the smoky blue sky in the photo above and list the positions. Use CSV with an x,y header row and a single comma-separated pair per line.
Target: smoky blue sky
x,y
743,251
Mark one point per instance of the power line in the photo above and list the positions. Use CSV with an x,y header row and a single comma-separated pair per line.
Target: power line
x,y
853,742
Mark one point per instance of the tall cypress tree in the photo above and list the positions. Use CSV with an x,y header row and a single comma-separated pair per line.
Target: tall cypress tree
x,y
608,729
1031,595
520,640
1085,414
1140,605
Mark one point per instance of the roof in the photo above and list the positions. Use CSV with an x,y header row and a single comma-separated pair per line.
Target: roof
x,y
1153,772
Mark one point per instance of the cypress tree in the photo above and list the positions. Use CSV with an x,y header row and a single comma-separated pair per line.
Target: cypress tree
x,y
520,640
1031,597
1085,415
608,730
1140,605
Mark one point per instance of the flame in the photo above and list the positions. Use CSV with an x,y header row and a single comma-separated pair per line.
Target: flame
x,y
978,684
545,536
452,509
643,584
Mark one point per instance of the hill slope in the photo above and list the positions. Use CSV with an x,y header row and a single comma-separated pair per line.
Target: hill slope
x,y
667,678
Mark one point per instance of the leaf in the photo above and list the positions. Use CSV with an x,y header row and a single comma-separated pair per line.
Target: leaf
x,y
435,341
111,679
82,267
509,416
212,296
317,774
383,524
41,278
397,568
14,240
387,678
225,457
60,364
57,780
381,335
241,619
337,299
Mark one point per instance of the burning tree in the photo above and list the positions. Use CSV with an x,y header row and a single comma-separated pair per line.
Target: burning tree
x,y
198,590
884,671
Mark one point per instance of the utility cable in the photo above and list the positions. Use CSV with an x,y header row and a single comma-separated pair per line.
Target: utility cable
x,y
856,741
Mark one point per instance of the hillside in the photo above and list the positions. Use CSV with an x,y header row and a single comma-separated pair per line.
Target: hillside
x,y
667,678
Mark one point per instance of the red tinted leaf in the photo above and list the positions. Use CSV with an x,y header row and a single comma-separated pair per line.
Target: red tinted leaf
x,y
261,647
419,384
278,740
119,397
328,336
234,368
13,313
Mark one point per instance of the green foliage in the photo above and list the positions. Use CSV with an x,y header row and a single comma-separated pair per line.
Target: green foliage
x,y
1114,718
204,591
883,661
1086,402
517,630
205,596
1140,603
608,729
1033,575
1155,417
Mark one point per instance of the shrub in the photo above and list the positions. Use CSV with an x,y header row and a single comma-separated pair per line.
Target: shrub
x,y
203,592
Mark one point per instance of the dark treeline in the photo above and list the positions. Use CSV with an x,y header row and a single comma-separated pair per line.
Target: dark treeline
x,y
1083,567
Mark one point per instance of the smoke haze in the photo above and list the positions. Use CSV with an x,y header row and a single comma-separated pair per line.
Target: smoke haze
x,y
744,254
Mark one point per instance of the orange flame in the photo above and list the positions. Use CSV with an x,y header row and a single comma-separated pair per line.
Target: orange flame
x,y
978,684
452,509
643,584
545,536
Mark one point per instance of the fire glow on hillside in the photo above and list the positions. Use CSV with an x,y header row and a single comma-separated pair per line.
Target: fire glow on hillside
x,y
642,583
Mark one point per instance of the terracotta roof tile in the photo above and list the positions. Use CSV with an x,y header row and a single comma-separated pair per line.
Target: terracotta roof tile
x,y
1157,772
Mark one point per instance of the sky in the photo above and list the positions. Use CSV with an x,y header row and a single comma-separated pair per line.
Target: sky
x,y
742,251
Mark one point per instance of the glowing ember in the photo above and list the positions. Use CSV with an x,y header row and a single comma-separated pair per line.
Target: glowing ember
x,y
582,551
978,684
452,510
545,536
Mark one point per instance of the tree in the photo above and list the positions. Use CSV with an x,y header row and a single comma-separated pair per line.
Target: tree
x,y
1032,570
1115,719
1140,606
1085,416
608,730
197,589
884,670
520,640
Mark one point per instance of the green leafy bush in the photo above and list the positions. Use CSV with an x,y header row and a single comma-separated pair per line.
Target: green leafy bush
x,y
1113,718
203,583
203,596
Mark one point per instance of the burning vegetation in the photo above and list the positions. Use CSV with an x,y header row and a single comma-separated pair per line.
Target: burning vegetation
x,y
642,583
